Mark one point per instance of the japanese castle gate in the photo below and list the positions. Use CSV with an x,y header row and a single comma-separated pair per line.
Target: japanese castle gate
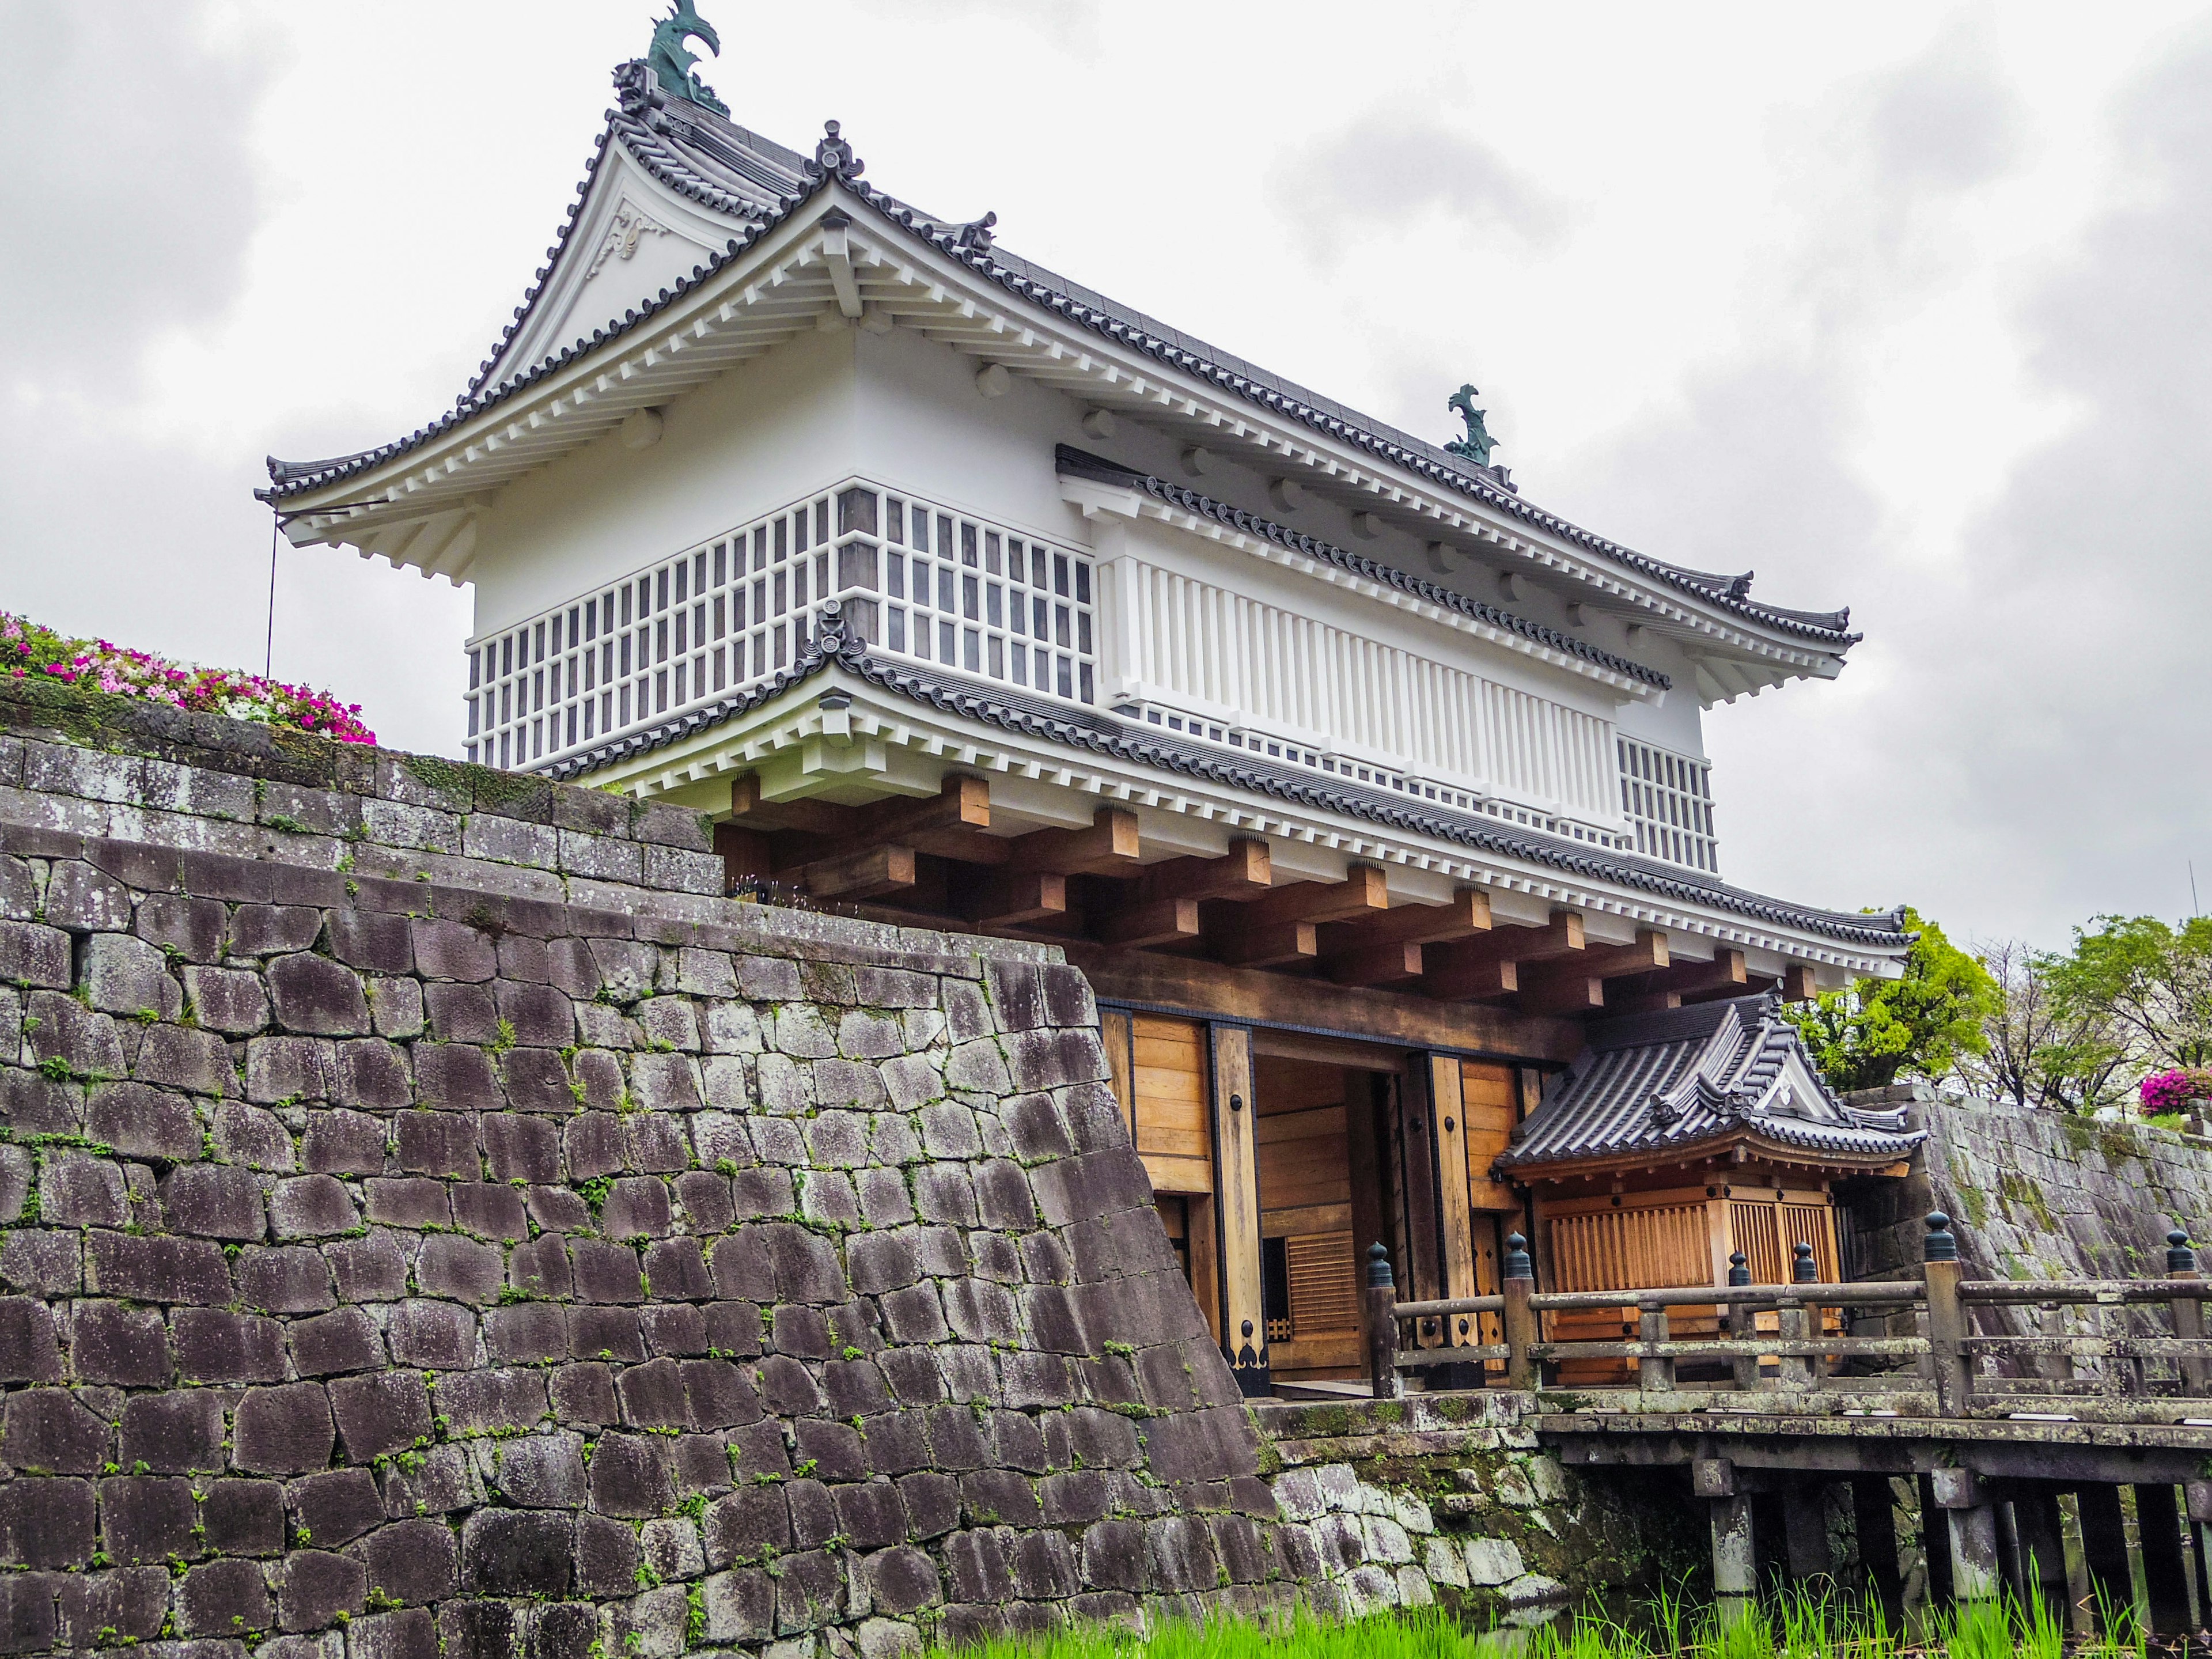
x,y
1371,796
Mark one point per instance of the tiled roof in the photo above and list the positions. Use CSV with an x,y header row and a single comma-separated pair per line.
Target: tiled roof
x,y
707,157
1074,463
1103,735
1672,1082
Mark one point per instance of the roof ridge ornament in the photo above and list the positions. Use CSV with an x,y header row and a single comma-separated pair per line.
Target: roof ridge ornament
x,y
833,157
1478,443
670,59
977,233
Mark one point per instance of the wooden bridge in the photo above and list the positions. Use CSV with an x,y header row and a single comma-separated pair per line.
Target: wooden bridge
x,y
2107,1402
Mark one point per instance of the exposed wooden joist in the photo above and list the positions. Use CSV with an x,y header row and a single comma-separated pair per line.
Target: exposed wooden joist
x,y
1487,966
1013,898
951,823
1575,984
869,872
1142,927
1246,871
1108,847
1670,986
1385,948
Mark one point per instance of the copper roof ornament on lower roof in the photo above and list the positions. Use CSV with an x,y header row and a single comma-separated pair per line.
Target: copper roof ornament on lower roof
x,y
670,59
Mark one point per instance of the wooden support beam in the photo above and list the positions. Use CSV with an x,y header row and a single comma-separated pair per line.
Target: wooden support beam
x,y
870,873
1725,976
1010,898
1489,966
1467,915
1576,985
1244,872
1141,926
744,854
1797,984
1386,949
1469,978
948,823
1361,893
1375,964
1272,944
1108,847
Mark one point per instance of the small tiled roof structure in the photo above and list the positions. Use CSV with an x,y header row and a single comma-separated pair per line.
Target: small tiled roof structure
x,y
1692,1081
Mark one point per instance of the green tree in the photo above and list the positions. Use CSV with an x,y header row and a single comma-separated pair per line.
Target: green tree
x,y
1866,1035
2046,1045
2152,982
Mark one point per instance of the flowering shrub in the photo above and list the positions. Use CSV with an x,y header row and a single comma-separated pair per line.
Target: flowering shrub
x,y
2171,1091
30,651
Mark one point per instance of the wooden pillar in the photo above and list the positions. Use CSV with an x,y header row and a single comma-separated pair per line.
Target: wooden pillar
x,y
1876,1516
2042,1548
1384,1379
2166,1574
1114,1032
1236,1205
1934,1545
1370,1216
2104,1553
1805,1531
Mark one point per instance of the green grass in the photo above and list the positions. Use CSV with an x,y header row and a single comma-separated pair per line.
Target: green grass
x,y
1795,1626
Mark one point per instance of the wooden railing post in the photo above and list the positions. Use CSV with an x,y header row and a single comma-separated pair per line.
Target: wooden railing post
x,y
2188,1311
1947,1319
1520,1316
1742,1323
1382,1327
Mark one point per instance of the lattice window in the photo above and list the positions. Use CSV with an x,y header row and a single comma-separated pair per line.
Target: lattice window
x,y
920,582
1667,799
1324,1285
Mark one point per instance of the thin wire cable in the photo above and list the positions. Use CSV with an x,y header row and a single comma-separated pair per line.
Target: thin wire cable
x,y
269,640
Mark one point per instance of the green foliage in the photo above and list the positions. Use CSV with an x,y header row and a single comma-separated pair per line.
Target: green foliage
x,y
2153,982
1868,1035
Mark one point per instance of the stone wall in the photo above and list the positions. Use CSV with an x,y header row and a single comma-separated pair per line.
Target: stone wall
x,y
2033,1194
433,1222
436,1223
1449,1500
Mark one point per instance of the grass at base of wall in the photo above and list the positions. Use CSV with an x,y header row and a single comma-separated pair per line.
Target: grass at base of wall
x,y
1799,1625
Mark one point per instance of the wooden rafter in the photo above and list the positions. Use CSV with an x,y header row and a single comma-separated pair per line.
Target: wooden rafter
x,y
1725,976
1575,984
1386,948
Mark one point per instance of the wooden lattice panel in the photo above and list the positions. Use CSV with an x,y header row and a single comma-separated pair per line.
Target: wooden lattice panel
x,y
1652,1247
1324,1285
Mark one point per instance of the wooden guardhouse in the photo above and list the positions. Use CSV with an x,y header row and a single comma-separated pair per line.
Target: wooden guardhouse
x,y
1679,1140
1363,787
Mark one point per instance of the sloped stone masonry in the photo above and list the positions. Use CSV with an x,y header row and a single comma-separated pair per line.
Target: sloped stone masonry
x,y
436,1223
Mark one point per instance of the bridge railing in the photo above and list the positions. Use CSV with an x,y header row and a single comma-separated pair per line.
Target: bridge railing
x,y
2140,1354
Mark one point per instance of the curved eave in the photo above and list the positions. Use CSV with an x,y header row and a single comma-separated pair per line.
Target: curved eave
x,y
665,755
1786,1149
931,282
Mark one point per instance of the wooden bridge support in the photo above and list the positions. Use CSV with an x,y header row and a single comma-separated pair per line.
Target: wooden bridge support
x,y
1876,1516
2104,1553
1934,1545
1805,1533
2039,1528
2166,1572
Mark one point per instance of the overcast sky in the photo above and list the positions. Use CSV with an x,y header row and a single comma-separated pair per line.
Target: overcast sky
x,y
1905,307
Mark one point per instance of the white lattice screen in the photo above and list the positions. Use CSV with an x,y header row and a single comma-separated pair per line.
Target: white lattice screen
x,y
919,581
1668,801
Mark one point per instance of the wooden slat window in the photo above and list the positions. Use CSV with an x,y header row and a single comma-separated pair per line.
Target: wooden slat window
x,y
1649,1248
1323,1285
